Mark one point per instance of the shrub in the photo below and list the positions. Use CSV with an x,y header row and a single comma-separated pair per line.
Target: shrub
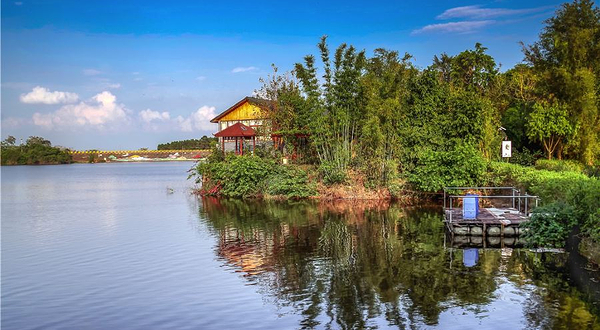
x,y
332,174
462,166
550,225
559,165
237,176
291,182
525,157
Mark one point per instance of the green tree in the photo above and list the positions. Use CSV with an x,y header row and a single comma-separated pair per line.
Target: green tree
x,y
549,124
567,55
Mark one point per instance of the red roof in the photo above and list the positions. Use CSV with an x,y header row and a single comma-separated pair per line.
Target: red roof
x,y
236,130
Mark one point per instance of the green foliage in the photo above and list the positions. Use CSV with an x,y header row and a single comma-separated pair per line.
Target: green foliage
x,y
291,182
36,151
334,107
238,176
549,225
572,188
203,143
567,57
332,174
559,165
251,176
462,166
549,124
525,157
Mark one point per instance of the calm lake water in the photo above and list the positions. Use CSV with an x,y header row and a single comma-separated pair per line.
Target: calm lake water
x,y
109,246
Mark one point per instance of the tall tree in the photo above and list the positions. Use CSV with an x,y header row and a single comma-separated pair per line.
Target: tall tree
x,y
567,55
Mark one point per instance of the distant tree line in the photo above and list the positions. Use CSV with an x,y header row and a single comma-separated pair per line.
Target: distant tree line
x,y
193,144
35,151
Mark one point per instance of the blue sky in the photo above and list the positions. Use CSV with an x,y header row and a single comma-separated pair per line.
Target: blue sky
x,y
132,74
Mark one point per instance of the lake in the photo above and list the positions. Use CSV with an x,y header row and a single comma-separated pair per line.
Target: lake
x,y
126,246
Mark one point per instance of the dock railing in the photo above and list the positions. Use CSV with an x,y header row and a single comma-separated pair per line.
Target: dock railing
x,y
515,196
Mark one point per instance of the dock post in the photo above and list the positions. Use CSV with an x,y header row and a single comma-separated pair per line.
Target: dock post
x,y
444,199
519,201
513,198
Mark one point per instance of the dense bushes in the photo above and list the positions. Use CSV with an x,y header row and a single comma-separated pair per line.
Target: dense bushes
x,y
575,189
559,165
462,166
251,176
550,225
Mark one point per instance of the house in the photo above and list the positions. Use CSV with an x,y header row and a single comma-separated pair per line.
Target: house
x,y
238,125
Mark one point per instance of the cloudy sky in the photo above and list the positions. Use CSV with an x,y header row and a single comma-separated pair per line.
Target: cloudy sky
x,y
131,74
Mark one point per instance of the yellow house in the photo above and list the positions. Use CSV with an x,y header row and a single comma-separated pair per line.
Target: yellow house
x,y
250,111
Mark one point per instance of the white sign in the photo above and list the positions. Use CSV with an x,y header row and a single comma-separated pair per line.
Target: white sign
x,y
506,149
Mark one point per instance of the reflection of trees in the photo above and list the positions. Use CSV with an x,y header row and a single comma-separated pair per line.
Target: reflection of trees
x,y
349,265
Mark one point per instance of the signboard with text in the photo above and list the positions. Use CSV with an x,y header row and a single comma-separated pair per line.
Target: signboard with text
x,y
506,149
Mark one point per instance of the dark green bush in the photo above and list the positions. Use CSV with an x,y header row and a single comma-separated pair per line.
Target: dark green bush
x,y
525,157
461,166
549,225
291,182
237,176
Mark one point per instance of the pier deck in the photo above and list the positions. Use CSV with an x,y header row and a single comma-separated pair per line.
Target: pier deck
x,y
503,217
488,216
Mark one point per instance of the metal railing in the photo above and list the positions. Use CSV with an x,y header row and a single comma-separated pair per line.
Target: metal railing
x,y
515,197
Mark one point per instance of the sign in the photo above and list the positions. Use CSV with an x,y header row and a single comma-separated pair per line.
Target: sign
x,y
506,149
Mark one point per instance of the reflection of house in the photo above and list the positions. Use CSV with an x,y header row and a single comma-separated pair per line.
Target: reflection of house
x,y
237,125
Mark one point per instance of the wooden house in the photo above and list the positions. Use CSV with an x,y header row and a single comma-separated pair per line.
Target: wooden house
x,y
238,125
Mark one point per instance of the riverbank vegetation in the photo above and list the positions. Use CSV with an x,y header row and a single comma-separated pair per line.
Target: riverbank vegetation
x,y
405,129
35,151
203,143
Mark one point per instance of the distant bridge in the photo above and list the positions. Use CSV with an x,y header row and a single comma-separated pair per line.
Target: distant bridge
x,y
95,156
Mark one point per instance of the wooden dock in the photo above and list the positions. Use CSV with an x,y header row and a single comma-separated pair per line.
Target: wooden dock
x,y
489,221
502,221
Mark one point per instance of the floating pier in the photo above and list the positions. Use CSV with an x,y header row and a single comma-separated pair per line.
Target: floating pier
x,y
493,215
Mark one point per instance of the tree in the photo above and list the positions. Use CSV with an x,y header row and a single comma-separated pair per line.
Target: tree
x,y
9,141
567,56
549,124
334,108
36,140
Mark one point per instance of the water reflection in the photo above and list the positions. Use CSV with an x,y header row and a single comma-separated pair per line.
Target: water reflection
x,y
357,265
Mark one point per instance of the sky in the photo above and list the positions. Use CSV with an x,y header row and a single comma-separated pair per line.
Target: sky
x,y
132,74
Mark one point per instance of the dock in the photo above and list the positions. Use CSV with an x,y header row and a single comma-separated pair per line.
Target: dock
x,y
501,215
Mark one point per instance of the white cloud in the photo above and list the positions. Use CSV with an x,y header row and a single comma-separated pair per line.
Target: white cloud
x,y
150,115
201,78
454,27
102,110
91,72
198,120
476,12
244,69
44,95
113,86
